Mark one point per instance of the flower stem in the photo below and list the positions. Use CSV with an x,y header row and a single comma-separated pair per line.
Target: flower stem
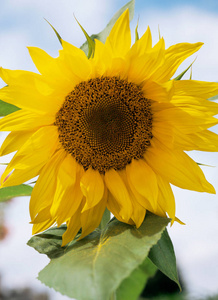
x,y
105,219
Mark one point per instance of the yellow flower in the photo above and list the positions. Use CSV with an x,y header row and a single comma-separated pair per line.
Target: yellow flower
x,y
109,131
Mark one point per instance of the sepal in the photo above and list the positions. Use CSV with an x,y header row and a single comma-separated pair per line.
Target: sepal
x,y
6,108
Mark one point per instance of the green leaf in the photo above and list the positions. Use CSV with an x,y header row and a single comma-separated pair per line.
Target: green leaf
x,y
105,219
163,256
49,243
179,77
57,34
190,77
100,261
132,287
101,36
6,108
90,42
200,164
159,32
10,192
171,297
213,98
136,32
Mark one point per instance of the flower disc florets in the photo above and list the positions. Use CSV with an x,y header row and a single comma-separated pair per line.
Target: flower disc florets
x,y
104,123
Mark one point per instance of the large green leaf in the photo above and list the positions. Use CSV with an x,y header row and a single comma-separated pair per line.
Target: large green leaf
x,y
99,262
6,108
172,297
49,242
132,287
101,36
10,192
163,256
106,218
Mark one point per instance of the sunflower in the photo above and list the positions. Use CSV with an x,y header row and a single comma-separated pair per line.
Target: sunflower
x,y
108,131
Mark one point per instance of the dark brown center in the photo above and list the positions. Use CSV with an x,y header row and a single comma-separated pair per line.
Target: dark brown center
x,y
104,123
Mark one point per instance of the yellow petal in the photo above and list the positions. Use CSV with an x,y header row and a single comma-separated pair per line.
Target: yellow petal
x,y
69,203
119,66
179,221
204,141
138,197
32,156
18,77
91,218
39,147
68,195
114,207
191,102
141,46
118,190
42,226
158,51
187,121
43,192
102,59
76,61
166,198
164,132
60,73
142,67
42,216
144,180
177,167
161,93
138,213
160,212
14,141
45,63
174,56
92,187
73,226
24,120
66,178
67,171
55,70
200,89
71,49
119,39
20,176
25,91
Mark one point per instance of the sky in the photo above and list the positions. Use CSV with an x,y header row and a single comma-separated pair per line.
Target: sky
x,y
22,24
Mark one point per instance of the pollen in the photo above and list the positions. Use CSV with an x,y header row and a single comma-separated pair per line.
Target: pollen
x,y
104,123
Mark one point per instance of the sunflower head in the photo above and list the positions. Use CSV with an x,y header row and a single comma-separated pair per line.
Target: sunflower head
x,y
104,123
107,131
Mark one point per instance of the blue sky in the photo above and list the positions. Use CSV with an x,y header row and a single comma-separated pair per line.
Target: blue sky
x,y
22,24
209,5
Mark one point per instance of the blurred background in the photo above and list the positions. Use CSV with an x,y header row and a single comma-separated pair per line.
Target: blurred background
x,y
21,25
